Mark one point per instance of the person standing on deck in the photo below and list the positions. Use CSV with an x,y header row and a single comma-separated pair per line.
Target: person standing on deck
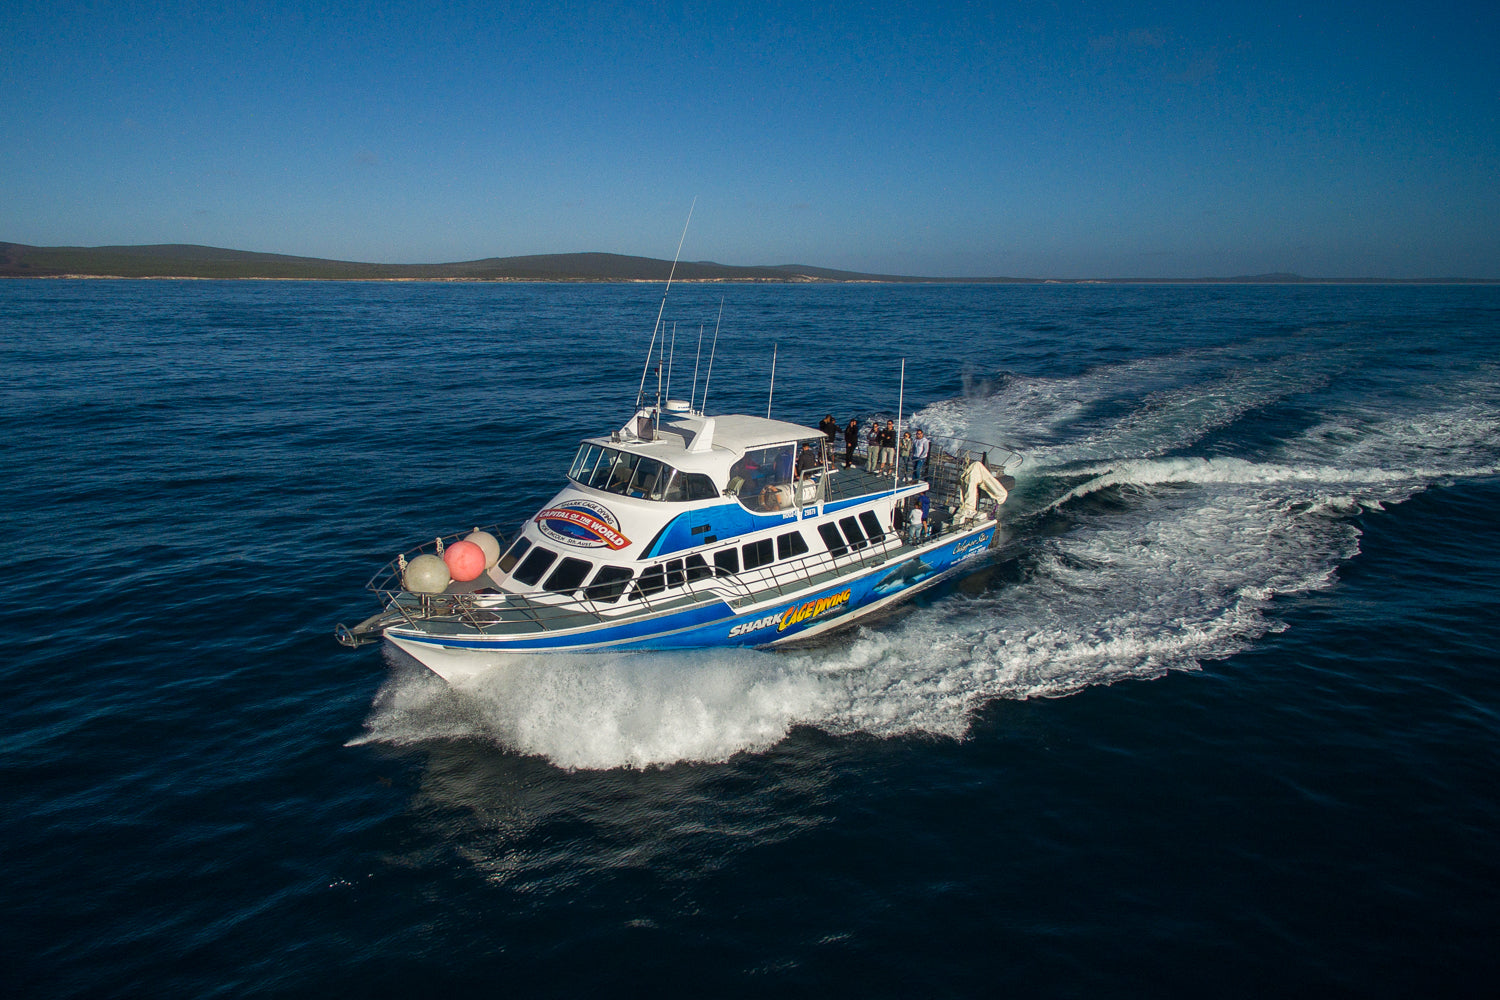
x,y
830,428
919,449
851,441
888,447
914,522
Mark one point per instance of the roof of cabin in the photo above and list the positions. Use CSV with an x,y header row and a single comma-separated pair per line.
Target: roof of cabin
x,y
740,432
734,434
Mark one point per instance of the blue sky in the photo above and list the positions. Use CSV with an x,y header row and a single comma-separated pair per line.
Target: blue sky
x,y
959,139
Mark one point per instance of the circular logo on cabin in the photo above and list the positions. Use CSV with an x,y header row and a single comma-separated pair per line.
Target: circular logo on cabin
x,y
583,523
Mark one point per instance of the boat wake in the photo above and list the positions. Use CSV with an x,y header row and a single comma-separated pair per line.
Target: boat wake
x,y
606,710
1128,559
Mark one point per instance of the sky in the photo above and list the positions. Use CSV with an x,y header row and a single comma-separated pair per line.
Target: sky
x,y
1068,140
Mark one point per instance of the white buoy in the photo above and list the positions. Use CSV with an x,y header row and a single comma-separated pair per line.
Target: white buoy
x,y
426,574
488,542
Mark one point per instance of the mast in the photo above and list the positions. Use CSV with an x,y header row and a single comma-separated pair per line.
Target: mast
x,y
772,391
641,392
703,407
697,356
900,407
671,360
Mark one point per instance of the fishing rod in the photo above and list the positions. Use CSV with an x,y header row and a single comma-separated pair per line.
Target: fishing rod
x,y
772,391
697,356
671,361
703,407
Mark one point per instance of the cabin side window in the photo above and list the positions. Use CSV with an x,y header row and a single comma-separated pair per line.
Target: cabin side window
x,y
872,524
514,554
697,486
763,478
727,561
790,544
533,566
833,539
568,576
759,554
653,580
852,532
609,583
697,569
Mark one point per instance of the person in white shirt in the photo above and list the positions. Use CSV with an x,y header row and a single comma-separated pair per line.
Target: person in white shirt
x,y
914,525
919,450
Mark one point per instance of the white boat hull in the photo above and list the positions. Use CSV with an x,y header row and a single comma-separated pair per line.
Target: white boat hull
x,y
779,619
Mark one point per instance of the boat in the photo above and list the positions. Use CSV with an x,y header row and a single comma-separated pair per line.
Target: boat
x,y
682,530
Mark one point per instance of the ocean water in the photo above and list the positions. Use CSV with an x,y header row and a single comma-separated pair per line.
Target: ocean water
x,y
1221,716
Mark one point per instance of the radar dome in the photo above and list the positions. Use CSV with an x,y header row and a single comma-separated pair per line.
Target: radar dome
x,y
465,560
426,574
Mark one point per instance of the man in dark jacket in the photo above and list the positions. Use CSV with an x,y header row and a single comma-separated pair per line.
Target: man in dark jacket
x,y
851,439
830,428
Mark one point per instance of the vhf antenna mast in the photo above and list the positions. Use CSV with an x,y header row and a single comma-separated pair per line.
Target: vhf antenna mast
x,y
641,392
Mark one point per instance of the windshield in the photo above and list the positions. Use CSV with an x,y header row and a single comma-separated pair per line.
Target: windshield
x,y
622,473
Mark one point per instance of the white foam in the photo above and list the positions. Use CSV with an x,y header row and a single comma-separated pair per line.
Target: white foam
x,y
589,711
1134,410
1180,567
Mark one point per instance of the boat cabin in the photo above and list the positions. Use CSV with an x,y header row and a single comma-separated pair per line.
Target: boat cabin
x,y
669,483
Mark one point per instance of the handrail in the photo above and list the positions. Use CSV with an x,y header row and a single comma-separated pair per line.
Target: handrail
x,y
482,612
969,450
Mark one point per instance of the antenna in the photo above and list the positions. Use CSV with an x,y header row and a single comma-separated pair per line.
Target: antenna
x,y
641,392
661,357
698,355
703,407
772,392
900,407
671,359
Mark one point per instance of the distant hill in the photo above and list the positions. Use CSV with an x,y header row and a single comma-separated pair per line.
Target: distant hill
x,y
175,260
188,261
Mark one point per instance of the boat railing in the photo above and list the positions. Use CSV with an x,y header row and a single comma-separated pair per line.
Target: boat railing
x,y
485,609
999,458
388,577
950,457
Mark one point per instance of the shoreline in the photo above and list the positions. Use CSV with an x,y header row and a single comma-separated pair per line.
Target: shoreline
x,y
789,280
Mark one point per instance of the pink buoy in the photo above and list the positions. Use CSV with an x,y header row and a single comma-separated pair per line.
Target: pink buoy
x,y
465,560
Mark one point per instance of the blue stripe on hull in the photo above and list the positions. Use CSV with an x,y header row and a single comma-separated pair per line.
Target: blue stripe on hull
x,y
817,608
611,636
716,624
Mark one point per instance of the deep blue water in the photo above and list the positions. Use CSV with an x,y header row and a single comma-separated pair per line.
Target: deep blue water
x,y
1222,717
